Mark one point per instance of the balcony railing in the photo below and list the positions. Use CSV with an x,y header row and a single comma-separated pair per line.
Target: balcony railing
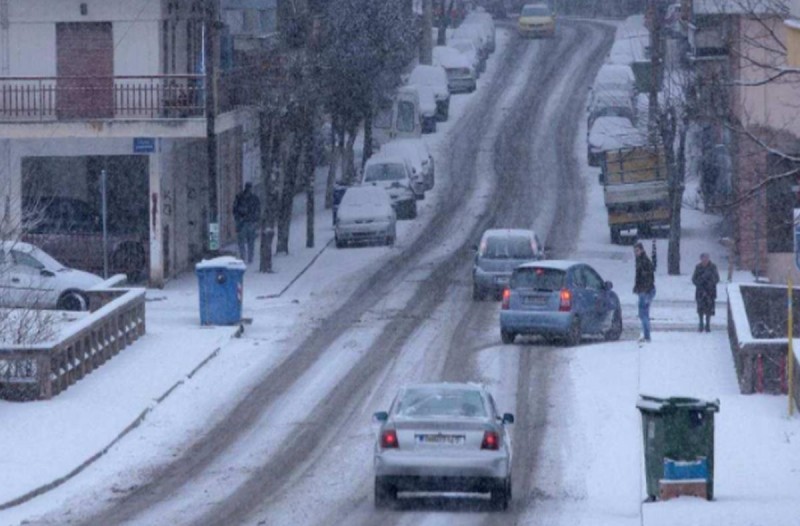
x,y
121,97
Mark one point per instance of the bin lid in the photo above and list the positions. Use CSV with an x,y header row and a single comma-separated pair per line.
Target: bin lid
x,y
222,262
654,404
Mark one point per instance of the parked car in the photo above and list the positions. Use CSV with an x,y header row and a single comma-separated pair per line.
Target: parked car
x,y
460,75
467,48
365,215
72,231
500,252
393,173
417,153
612,133
536,20
477,34
427,107
31,278
611,103
565,299
613,78
497,8
485,22
436,78
445,437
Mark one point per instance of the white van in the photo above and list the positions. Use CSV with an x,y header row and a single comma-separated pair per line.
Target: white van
x,y
399,118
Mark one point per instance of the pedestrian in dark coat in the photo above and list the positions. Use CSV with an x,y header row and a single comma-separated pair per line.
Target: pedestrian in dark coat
x,y
247,214
705,279
645,287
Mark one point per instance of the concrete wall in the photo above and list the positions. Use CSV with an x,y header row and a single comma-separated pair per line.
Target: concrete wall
x,y
136,27
774,104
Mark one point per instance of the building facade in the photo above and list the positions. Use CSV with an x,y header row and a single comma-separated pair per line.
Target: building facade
x,y
106,100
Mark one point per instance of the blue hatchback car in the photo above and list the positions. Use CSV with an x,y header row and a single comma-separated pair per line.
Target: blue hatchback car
x,y
565,299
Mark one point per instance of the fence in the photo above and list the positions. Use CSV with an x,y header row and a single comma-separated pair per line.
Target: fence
x,y
134,97
42,371
757,326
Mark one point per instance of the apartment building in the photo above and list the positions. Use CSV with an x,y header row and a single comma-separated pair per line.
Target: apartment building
x,y
107,99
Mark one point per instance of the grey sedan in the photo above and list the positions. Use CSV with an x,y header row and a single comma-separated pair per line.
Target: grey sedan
x,y
445,437
500,251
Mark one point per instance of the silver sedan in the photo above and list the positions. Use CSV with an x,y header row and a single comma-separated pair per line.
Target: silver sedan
x,y
445,437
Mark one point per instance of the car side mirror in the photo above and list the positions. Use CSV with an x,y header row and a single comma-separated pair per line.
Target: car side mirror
x,y
508,418
609,285
47,273
381,416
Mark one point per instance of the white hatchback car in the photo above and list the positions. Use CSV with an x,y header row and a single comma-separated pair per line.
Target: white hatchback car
x,y
31,278
365,215
445,437
418,154
393,173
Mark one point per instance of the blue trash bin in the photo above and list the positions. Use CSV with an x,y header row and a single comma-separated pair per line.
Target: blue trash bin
x,y
220,281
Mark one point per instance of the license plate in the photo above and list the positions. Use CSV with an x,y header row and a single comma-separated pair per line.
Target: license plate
x,y
444,440
501,280
534,300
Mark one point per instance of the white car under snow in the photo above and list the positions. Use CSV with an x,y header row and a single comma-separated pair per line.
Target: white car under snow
x,y
31,278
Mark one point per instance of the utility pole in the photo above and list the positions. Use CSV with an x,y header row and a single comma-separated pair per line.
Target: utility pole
x,y
209,56
426,42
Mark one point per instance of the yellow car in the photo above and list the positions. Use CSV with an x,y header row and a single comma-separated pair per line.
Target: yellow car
x,y
536,20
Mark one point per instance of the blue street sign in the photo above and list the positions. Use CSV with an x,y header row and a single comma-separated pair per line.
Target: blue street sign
x,y
796,231
144,145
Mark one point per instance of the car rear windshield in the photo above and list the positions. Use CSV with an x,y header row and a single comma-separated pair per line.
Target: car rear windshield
x,y
433,403
538,278
535,10
507,247
384,172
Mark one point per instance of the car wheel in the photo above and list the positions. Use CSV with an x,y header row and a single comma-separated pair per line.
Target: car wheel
x,y
390,240
615,236
339,243
385,494
500,495
574,332
615,331
477,293
73,301
412,209
130,259
507,337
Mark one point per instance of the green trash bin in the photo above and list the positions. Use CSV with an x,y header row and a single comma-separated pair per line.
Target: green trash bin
x,y
679,429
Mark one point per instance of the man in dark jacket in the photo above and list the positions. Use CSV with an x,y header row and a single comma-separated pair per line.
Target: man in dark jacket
x,y
645,287
247,214
705,279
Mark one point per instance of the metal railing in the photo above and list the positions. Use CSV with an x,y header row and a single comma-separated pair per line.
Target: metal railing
x,y
120,97
41,371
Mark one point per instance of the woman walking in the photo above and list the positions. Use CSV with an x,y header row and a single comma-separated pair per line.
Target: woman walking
x,y
645,287
705,279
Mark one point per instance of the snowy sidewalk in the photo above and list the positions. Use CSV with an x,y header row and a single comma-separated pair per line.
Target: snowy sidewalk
x,y
88,418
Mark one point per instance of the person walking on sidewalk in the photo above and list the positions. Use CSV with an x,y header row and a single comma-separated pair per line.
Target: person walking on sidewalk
x,y
645,287
246,214
705,279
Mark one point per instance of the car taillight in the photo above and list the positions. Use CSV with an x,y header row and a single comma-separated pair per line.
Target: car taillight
x,y
389,439
506,299
566,300
490,441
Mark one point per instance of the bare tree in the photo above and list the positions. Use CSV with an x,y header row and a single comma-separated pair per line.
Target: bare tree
x,y
23,322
